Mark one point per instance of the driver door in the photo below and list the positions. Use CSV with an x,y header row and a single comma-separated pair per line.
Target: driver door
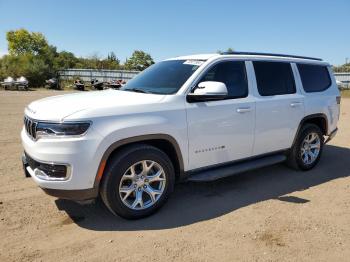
x,y
222,131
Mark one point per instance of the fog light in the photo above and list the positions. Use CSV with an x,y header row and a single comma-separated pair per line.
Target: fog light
x,y
48,171
51,172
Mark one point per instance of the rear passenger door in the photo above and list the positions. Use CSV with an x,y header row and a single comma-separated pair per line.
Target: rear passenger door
x,y
279,106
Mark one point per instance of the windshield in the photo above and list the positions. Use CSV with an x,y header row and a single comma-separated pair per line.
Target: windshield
x,y
164,77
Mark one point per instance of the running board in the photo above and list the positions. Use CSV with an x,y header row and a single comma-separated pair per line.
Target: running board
x,y
226,171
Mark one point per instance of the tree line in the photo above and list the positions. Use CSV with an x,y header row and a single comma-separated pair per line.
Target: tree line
x,y
342,68
31,55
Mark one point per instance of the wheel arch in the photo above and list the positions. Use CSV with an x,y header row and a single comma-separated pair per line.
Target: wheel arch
x,y
164,142
319,119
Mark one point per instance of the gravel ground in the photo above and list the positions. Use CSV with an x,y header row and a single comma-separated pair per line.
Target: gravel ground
x,y
272,214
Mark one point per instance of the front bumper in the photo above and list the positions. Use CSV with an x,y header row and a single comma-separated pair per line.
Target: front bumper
x,y
81,156
78,195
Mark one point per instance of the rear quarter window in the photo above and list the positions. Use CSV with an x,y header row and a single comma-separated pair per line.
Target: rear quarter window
x,y
315,78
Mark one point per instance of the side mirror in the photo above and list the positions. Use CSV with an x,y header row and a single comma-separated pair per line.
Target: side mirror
x,y
207,91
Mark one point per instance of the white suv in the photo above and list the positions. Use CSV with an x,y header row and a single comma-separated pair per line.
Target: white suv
x,y
197,118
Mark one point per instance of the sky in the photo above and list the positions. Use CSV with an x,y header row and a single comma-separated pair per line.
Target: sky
x,y
166,29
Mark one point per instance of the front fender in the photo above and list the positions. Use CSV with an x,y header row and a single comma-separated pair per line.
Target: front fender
x,y
131,129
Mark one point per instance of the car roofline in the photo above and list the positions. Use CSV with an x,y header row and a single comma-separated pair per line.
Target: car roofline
x,y
253,56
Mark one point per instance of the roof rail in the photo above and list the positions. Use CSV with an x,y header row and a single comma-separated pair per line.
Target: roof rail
x,y
270,54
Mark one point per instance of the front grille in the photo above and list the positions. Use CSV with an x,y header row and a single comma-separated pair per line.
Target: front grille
x,y
30,126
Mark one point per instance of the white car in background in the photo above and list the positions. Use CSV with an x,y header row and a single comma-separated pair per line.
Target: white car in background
x,y
198,118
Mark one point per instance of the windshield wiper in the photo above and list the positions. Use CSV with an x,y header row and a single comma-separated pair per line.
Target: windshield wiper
x,y
137,90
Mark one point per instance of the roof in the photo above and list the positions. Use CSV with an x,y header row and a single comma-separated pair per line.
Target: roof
x,y
250,55
194,57
272,55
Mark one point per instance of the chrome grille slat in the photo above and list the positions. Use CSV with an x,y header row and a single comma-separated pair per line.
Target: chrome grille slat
x,y
34,129
30,127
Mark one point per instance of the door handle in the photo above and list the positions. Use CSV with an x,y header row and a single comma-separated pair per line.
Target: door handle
x,y
242,110
295,104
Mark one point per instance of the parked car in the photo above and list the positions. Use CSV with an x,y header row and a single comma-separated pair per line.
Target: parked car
x,y
197,118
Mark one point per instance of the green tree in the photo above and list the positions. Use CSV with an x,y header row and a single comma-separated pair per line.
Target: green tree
x,y
112,57
32,67
64,60
342,68
22,42
228,50
31,55
139,61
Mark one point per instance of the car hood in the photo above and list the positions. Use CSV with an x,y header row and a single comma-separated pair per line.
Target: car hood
x,y
56,108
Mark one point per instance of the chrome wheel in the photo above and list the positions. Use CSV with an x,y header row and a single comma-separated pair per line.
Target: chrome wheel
x,y
142,185
310,148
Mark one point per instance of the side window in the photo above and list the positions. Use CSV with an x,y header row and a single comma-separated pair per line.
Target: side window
x,y
233,74
315,78
274,78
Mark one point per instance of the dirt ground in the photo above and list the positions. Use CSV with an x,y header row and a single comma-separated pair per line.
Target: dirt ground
x,y
272,214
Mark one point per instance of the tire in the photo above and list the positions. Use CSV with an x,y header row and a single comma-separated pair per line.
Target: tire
x,y
296,158
118,177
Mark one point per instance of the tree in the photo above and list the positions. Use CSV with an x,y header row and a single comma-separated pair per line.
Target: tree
x,y
64,60
139,61
228,50
112,57
342,68
22,42
31,55
32,67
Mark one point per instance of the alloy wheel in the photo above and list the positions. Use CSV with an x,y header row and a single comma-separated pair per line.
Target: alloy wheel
x,y
310,148
142,185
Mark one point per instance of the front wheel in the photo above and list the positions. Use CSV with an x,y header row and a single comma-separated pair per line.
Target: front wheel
x,y
307,149
137,181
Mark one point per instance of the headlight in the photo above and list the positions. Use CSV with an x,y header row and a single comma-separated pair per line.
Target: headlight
x,y
44,129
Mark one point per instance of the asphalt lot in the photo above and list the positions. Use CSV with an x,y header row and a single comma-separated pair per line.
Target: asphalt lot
x,y
272,214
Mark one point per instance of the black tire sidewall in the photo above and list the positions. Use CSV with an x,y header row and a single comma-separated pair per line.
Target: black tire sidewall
x,y
119,166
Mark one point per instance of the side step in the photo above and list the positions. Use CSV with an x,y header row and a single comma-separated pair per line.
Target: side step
x,y
225,171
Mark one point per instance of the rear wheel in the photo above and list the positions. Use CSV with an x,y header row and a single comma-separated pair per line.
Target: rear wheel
x,y
307,149
137,181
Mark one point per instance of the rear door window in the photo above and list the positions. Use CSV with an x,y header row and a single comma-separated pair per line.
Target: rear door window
x,y
315,78
274,78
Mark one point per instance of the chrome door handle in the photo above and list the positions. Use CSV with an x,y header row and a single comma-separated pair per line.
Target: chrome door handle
x,y
243,110
295,104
